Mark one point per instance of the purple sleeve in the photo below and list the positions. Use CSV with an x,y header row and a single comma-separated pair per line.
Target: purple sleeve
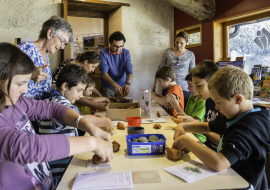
x,y
43,110
20,147
103,66
128,64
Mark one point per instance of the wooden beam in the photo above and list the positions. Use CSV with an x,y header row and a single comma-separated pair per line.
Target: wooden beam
x,y
202,10
87,14
65,9
106,31
98,2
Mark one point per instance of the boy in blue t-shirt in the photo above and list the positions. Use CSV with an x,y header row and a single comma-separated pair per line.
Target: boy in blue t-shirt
x,y
244,130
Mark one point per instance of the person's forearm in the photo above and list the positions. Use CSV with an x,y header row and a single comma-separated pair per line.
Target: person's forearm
x,y
108,79
129,78
99,99
213,137
156,82
76,143
97,121
161,100
86,102
196,127
71,117
216,161
96,92
179,109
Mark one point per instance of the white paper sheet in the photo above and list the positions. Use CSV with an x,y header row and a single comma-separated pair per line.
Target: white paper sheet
x,y
190,176
154,120
103,180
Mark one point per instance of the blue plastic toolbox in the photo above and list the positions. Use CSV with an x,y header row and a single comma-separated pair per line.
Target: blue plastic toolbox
x,y
145,148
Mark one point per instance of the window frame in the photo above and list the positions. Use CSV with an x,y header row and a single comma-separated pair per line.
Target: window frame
x,y
221,33
193,29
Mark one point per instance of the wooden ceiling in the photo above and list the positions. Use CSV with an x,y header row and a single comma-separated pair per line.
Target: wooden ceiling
x,y
92,8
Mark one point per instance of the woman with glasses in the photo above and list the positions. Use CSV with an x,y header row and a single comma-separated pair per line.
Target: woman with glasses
x,y
180,59
54,35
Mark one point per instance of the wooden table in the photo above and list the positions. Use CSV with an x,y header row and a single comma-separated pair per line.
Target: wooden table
x,y
123,162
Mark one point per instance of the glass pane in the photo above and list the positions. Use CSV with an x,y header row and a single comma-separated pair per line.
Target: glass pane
x,y
251,40
194,38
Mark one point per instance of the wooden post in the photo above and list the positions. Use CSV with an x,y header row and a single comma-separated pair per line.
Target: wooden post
x,y
106,31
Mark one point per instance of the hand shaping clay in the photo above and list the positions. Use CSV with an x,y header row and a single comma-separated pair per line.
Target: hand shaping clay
x,y
157,126
173,154
121,126
158,114
116,146
186,150
96,159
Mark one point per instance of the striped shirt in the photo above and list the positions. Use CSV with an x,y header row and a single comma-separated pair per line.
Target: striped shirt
x,y
55,126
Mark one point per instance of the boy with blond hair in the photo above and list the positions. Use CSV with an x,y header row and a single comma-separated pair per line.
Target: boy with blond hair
x,y
166,79
244,130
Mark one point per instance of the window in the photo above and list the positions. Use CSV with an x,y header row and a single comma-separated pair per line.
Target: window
x,y
245,35
195,35
250,40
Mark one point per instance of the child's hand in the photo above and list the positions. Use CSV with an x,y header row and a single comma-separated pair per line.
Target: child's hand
x,y
173,100
178,143
155,89
100,106
103,149
109,126
182,119
179,130
97,132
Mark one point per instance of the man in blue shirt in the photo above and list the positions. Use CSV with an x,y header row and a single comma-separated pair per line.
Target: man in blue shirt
x,y
115,67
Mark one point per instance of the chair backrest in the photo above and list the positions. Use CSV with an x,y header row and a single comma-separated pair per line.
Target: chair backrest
x,y
186,95
267,168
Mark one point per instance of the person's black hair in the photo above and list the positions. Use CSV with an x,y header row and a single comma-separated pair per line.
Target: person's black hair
x,y
204,70
12,62
188,77
117,36
182,34
72,74
164,72
91,56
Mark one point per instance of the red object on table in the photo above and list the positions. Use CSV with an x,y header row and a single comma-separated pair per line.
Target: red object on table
x,y
134,121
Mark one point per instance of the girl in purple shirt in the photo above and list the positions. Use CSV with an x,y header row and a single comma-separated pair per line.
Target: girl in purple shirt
x,y
24,155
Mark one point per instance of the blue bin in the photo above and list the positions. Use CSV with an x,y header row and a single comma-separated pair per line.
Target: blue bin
x,y
145,148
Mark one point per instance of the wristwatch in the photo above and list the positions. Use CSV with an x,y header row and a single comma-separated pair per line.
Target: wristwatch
x,y
128,83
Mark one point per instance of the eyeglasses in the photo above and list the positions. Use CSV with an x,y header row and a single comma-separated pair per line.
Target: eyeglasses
x,y
62,41
118,47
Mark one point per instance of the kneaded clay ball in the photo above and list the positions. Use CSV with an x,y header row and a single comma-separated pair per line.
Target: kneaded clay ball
x,y
173,154
121,126
96,159
116,146
157,126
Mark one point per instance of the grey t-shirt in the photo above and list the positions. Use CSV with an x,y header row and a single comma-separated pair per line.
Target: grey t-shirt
x,y
181,65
